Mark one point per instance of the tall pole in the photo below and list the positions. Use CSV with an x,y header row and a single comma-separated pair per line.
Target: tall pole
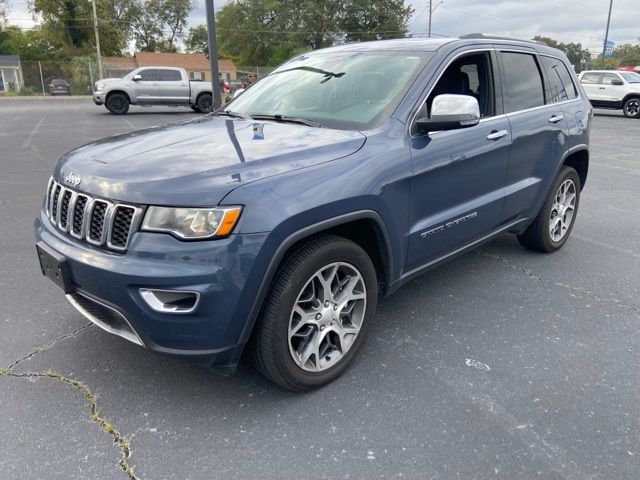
x,y
606,35
95,29
430,13
213,53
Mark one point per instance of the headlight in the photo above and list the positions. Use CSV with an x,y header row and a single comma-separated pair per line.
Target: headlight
x,y
99,86
192,223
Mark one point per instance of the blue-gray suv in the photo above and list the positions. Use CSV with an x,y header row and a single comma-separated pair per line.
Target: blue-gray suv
x,y
278,221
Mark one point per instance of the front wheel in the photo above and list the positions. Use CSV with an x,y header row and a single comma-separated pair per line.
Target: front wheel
x,y
552,227
117,104
631,108
317,315
205,103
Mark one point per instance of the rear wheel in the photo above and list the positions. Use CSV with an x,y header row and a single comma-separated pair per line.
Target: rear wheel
x,y
117,104
552,227
205,103
317,314
631,108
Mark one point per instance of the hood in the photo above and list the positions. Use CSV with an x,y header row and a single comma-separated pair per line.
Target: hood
x,y
198,162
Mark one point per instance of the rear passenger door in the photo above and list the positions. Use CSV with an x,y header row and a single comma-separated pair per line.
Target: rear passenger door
x,y
173,89
538,132
591,83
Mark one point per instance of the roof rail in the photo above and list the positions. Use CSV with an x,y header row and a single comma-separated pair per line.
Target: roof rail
x,y
497,37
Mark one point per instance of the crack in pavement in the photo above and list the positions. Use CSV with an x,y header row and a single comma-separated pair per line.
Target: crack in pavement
x,y
566,286
92,399
48,346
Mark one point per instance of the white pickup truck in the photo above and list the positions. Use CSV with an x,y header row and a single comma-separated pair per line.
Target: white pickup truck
x,y
153,86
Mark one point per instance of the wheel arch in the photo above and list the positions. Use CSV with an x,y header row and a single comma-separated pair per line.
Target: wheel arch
x,y
629,96
579,160
365,228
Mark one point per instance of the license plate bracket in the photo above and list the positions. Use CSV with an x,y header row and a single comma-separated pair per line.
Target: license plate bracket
x,y
54,266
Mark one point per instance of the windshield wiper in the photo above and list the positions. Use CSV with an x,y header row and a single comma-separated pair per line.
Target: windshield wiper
x,y
284,118
229,113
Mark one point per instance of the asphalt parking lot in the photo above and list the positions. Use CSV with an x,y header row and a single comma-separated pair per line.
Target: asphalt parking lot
x,y
502,364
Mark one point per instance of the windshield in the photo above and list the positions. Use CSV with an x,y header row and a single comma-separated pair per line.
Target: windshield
x,y
631,77
344,90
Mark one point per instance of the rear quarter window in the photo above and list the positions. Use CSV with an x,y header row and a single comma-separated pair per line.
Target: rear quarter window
x,y
561,86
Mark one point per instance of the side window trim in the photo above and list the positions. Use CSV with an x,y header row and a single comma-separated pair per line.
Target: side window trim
x,y
535,54
572,77
447,63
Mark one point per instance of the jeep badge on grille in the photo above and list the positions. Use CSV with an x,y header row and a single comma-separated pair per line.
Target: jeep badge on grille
x,y
73,179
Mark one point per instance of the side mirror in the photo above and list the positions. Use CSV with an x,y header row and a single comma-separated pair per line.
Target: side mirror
x,y
450,112
615,81
137,77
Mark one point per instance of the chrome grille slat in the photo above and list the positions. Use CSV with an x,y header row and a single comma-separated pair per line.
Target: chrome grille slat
x,y
97,221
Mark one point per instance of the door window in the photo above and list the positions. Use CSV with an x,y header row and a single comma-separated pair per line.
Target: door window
x,y
149,75
169,76
561,84
470,75
590,78
523,81
609,78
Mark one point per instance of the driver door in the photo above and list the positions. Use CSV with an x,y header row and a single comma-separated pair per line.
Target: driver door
x,y
146,89
459,175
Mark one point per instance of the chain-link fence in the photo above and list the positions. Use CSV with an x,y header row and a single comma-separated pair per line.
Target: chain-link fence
x,y
250,74
45,78
76,77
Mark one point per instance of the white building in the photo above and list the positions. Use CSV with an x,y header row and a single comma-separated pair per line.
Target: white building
x,y
10,74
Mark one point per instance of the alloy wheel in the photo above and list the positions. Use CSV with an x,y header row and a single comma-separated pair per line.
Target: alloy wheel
x,y
632,108
326,317
562,210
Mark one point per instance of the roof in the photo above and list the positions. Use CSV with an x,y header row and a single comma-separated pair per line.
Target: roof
x,y
120,62
9,60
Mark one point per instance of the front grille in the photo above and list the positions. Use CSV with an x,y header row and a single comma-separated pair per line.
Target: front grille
x,y
121,226
98,221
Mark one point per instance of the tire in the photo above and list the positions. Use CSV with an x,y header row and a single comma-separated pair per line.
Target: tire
x,y
631,108
205,103
117,104
540,235
280,343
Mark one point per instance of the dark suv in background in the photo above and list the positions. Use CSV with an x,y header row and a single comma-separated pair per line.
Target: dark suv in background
x,y
279,221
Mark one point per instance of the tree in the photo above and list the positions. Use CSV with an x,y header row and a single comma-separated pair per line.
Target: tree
x,y
267,32
375,20
159,23
197,40
577,55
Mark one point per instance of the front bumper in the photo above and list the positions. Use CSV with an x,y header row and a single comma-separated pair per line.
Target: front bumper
x,y
222,272
98,97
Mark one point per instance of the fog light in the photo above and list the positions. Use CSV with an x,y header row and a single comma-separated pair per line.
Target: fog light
x,y
170,301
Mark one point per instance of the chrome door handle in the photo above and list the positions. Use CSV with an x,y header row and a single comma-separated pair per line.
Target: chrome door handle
x,y
600,88
555,118
496,134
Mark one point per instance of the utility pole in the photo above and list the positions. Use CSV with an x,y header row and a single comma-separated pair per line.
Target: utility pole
x,y
213,53
606,35
431,10
95,28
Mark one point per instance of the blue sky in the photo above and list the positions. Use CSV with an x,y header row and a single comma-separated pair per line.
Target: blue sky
x,y
566,20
